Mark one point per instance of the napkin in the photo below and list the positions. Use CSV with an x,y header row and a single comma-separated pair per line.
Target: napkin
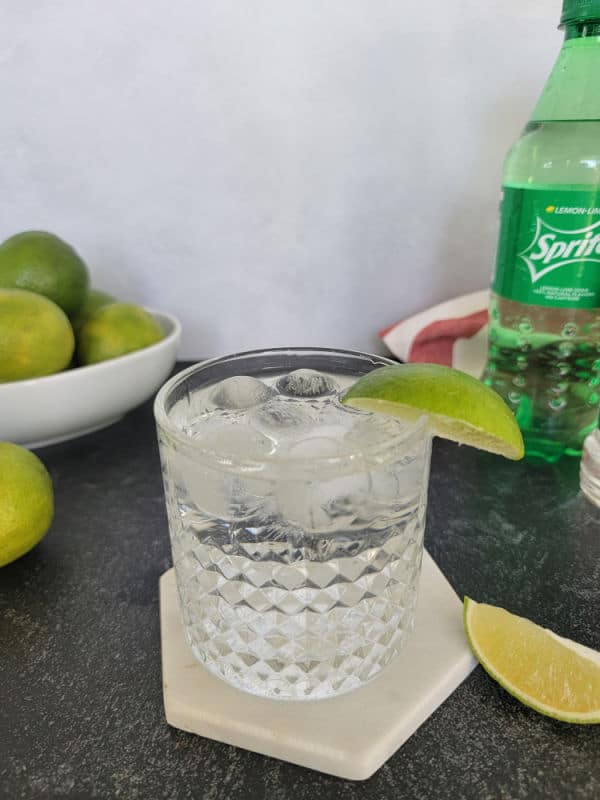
x,y
453,333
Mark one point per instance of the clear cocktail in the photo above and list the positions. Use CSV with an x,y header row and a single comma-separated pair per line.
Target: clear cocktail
x,y
296,522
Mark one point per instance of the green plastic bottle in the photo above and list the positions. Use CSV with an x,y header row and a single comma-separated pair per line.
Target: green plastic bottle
x,y
544,341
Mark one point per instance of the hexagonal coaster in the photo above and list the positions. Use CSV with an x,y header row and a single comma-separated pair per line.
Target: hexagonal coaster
x,y
350,736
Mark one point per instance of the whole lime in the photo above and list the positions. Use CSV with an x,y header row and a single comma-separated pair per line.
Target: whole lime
x,y
115,330
94,300
41,262
36,337
26,501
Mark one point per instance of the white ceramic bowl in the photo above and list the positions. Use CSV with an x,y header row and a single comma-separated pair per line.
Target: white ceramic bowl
x,y
54,408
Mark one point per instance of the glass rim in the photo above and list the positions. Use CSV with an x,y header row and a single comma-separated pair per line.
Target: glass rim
x,y
380,451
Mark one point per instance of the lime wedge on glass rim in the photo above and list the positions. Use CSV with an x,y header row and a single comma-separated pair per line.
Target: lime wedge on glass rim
x,y
459,407
554,676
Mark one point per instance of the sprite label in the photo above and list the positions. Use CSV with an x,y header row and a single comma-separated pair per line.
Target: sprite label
x,y
549,247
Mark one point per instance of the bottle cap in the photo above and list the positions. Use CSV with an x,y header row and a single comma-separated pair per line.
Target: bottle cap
x,y
574,10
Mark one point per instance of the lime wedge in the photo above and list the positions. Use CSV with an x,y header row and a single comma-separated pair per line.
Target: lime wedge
x,y
555,676
459,407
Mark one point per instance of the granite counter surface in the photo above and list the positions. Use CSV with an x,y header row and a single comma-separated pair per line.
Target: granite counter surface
x,y
80,679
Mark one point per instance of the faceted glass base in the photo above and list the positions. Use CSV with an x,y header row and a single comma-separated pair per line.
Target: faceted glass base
x,y
274,623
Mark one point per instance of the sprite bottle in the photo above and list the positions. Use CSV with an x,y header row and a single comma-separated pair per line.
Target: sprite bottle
x,y
544,340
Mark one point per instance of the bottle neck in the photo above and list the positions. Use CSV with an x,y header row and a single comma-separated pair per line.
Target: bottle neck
x,y
571,92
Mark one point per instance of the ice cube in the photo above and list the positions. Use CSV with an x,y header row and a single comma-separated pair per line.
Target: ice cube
x,y
334,500
306,383
237,443
250,498
373,432
204,491
317,447
209,422
326,505
239,392
281,416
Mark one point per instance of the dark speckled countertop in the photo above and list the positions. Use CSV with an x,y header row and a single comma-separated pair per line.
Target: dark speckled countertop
x,y
80,681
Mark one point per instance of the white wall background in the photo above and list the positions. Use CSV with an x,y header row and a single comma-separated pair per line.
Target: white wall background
x,y
272,171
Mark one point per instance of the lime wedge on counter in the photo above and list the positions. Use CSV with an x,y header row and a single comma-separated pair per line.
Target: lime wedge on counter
x,y
459,407
555,676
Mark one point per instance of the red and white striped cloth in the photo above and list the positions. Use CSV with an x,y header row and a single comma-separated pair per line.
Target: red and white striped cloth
x,y
453,333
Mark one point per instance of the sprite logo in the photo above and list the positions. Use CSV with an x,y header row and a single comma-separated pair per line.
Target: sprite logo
x,y
552,248
549,247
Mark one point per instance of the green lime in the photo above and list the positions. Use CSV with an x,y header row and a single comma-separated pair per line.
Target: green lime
x,y
26,501
114,330
94,300
552,675
41,262
459,407
36,337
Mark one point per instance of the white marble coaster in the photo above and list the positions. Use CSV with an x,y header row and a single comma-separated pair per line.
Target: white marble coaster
x,y
350,736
